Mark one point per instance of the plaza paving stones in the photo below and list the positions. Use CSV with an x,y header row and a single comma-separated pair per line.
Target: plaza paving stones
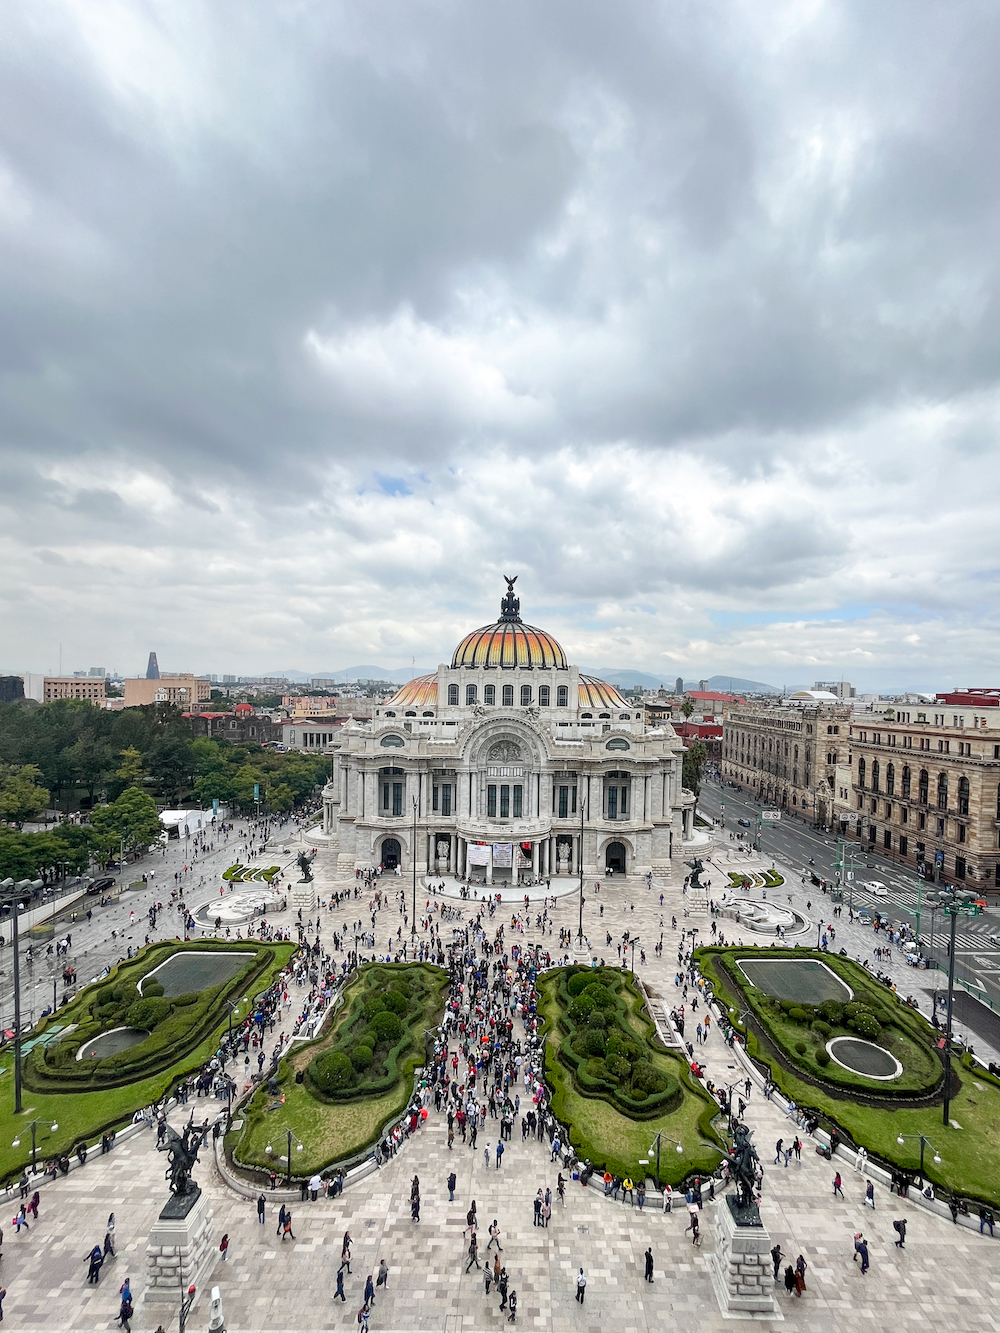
x,y
947,1276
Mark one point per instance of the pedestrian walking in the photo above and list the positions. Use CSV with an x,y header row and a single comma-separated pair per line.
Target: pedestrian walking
x,y
581,1286
837,1183
224,1246
345,1251
286,1230
502,1288
499,1152
261,1209
95,1258
776,1257
452,1182
649,1264
473,1253
281,1220
800,1275
363,1314
900,1229
789,1279
340,1285
125,1313
513,1307
487,1277
369,1291
495,1236
870,1194
777,1152
315,1185
383,1275
3,1293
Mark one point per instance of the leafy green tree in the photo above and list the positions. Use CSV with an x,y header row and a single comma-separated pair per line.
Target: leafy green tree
x,y
132,817
17,858
21,795
90,760
130,772
279,799
694,759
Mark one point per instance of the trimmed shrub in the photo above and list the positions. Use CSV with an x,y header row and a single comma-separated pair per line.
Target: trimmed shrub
x,y
801,1047
332,1071
397,1002
595,1041
147,1013
387,1026
823,1056
865,1024
373,1004
824,1029
362,1058
151,989
799,1015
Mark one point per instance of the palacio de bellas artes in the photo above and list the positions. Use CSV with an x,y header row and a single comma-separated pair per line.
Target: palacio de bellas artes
x,y
512,763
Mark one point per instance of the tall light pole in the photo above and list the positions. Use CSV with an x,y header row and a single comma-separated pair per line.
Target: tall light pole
x,y
413,858
579,934
957,907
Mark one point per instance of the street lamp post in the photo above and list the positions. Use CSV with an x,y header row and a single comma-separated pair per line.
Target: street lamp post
x,y
33,1126
16,891
957,907
413,857
579,934
655,1147
924,1143
632,943
186,1302
288,1177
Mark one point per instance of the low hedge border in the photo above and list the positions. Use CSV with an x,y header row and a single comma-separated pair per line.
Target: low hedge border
x,y
187,1026
719,965
562,986
369,980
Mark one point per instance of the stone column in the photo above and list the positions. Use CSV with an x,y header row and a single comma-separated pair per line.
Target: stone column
x,y
534,859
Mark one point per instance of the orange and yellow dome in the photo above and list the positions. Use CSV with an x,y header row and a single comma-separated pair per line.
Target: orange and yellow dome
x,y
509,644
420,692
596,693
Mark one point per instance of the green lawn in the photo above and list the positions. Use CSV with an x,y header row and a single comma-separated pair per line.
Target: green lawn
x,y
87,1115
330,1129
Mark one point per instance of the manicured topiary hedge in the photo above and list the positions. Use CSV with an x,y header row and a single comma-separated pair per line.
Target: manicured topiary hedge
x,y
379,1037
798,1033
178,1024
610,1056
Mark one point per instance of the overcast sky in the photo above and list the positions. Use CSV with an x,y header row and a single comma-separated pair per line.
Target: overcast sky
x,y
317,318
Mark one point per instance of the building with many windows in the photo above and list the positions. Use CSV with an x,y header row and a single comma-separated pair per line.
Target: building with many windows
x,y
925,786
788,755
506,763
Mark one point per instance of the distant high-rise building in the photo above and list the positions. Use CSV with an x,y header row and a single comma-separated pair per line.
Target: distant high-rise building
x,y
679,685
152,668
229,680
98,671
703,685
843,689
11,688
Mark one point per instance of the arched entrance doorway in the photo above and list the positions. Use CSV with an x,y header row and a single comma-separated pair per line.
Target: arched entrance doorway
x,y
614,857
391,854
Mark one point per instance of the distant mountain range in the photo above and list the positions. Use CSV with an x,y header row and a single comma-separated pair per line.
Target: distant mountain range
x,y
625,680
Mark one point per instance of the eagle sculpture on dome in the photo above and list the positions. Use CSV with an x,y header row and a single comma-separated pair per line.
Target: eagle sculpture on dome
x,y
510,607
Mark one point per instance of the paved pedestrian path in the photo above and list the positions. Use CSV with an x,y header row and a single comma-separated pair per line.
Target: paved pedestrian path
x,y
945,1276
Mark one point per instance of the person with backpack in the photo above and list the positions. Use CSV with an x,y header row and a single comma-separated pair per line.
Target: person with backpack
x,y
125,1314
513,1307
900,1229
363,1314
224,1246
452,1182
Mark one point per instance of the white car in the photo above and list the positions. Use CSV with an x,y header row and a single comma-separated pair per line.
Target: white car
x,y
876,887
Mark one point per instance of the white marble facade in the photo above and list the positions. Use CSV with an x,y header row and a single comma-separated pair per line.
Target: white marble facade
x,y
508,762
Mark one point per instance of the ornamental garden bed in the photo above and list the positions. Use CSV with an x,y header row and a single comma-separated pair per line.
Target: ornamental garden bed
x,y
614,1083
339,1092
867,1110
804,1000
134,997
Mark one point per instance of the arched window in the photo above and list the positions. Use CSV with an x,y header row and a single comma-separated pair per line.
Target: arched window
x,y
942,791
453,694
861,772
963,796
471,694
544,694
525,695
875,774
890,779
562,696
508,696
586,715
389,713
923,783
906,782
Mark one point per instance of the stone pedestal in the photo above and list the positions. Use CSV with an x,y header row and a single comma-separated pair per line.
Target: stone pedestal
x,y
302,896
181,1248
741,1268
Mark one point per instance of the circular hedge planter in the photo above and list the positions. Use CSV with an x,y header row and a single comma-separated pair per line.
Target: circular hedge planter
x,y
865,1058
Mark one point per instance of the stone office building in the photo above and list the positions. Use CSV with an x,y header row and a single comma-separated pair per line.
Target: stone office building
x,y
925,786
788,756
507,763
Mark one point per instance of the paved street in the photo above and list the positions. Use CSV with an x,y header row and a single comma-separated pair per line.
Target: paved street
x,y
945,1274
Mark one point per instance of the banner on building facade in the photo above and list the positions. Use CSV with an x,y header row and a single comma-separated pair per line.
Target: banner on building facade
x,y
503,855
478,853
